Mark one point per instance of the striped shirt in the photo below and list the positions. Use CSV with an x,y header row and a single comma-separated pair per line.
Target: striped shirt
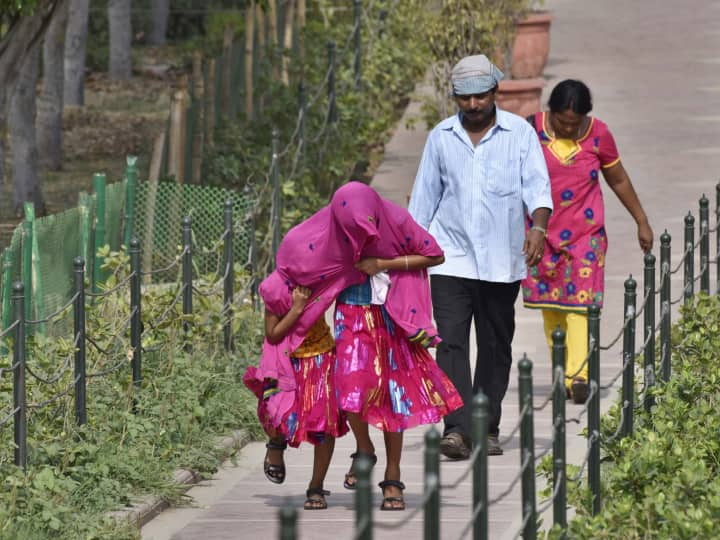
x,y
473,200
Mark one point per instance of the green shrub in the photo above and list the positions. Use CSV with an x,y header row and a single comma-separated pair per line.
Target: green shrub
x,y
663,481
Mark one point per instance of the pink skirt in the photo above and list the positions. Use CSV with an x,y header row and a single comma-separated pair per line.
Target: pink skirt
x,y
393,384
315,414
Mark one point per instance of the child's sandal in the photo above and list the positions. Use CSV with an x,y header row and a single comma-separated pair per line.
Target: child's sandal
x,y
392,503
350,475
315,499
274,473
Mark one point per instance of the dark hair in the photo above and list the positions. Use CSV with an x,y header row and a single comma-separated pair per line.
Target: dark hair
x,y
570,94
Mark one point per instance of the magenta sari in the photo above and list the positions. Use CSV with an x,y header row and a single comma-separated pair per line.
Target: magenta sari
x,y
320,253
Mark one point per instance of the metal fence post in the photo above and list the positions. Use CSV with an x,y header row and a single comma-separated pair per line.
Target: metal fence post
x,y
19,398
229,279
363,499
187,276
27,256
357,14
288,522
480,422
594,406
276,194
649,330
6,297
432,484
99,237
704,244
558,415
136,312
689,258
628,385
79,331
665,314
332,109
527,449
131,179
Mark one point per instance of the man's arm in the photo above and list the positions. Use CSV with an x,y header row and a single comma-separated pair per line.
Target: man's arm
x,y
427,190
537,197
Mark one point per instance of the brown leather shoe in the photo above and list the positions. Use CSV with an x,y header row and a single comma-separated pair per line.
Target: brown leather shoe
x,y
579,390
453,446
494,448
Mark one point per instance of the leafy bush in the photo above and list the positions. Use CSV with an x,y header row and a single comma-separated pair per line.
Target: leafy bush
x,y
134,438
663,481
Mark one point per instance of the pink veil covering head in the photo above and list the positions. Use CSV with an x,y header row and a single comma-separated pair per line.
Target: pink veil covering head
x,y
320,253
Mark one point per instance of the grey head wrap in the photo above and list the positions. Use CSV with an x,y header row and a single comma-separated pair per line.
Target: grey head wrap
x,y
474,75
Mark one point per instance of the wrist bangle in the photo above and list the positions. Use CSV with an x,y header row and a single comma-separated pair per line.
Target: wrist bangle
x,y
406,262
539,228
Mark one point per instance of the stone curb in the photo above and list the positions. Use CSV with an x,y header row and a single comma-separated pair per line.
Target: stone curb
x,y
149,507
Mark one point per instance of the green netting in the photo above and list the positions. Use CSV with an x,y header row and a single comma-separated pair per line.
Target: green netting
x,y
159,209
58,239
11,258
115,214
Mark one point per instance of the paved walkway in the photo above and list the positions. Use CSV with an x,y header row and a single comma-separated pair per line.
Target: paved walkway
x,y
654,71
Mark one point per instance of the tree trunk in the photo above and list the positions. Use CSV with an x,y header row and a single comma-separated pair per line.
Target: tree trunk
x,y
75,47
50,102
23,144
19,36
287,41
120,39
160,14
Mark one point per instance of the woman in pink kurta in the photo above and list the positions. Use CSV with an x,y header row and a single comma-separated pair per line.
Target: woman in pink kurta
x,y
577,149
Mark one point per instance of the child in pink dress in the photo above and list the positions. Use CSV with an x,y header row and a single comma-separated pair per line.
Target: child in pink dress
x,y
314,416
357,235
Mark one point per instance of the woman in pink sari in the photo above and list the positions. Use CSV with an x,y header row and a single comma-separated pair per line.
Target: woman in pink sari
x,y
358,234
570,277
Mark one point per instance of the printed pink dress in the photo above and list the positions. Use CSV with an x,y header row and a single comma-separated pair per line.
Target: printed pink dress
x,y
392,381
571,274
315,413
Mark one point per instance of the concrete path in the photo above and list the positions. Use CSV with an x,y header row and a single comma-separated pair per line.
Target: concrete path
x,y
654,69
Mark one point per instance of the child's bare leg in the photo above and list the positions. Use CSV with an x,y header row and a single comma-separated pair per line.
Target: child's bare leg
x,y
363,443
321,462
393,449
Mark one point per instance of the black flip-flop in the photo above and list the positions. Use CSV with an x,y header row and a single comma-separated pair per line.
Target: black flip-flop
x,y
387,502
315,504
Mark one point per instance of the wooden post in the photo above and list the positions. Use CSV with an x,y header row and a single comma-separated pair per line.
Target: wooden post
x,y
150,201
260,20
273,36
226,69
287,39
210,103
176,146
301,15
198,135
250,13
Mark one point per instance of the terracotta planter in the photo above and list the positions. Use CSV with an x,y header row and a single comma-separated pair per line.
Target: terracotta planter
x,y
520,96
531,46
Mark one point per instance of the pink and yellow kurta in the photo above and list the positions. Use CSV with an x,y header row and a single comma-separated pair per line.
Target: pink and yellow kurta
x,y
570,275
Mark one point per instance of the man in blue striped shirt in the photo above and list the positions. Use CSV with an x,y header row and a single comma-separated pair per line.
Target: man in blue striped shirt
x,y
482,171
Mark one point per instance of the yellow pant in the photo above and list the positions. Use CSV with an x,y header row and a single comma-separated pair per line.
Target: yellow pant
x,y
576,339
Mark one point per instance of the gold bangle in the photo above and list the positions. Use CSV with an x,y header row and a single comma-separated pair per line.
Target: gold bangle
x,y
406,262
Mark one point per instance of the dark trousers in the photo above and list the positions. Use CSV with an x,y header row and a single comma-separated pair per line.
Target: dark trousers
x,y
456,302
